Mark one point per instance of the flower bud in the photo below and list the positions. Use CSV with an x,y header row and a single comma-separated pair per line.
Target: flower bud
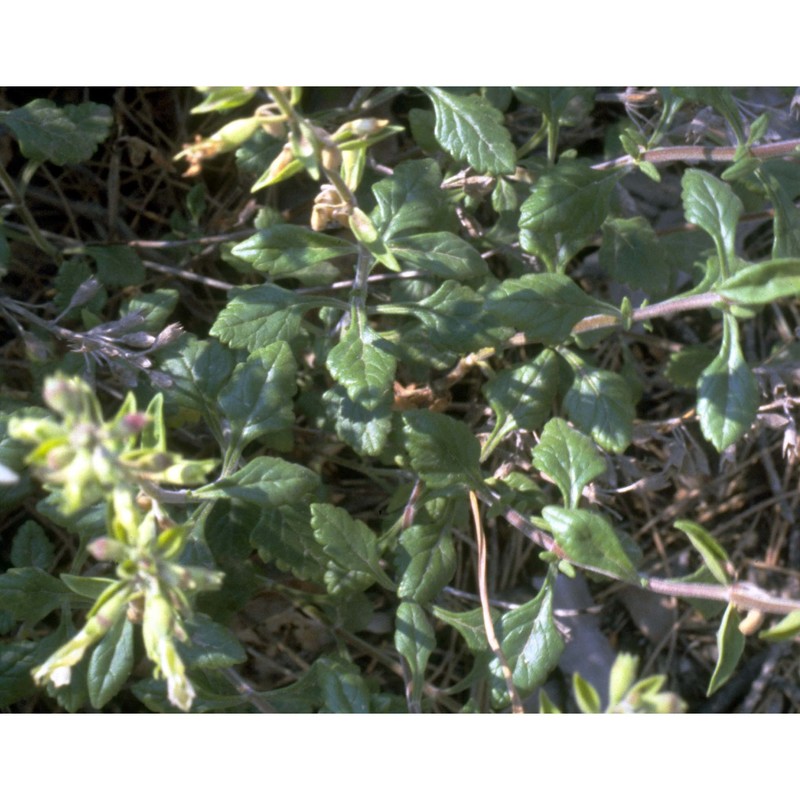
x,y
362,227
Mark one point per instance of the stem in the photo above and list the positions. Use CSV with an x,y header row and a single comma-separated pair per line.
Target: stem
x,y
662,309
22,209
488,624
668,155
743,595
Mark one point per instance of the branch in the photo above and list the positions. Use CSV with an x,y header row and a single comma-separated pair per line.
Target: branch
x,y
669,155
742,594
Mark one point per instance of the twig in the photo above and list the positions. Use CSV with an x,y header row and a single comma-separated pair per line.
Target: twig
x,y
742,594
669,155
516,703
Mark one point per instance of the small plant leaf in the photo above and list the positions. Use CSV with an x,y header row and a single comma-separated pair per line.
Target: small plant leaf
x,y
545,307
586,695
522,398
349,543
30,594
415,640
786,223
210,645
342,689
284,535
600,403
788,628
454,320
266,481
426,560
714,555
621,679
361,364
259,316
442,254
117,265
587,538
715,207
364,429
223,98
111,663
730,645
569,457
412,201
530,643
258,398
727,393
31,547
66,135
282,250
469,625
470,129
443,451
763,283
571,200
631,254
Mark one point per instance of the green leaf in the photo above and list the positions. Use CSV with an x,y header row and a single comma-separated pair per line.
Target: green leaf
x,y
631,254
117,265
522,398
260,316
721,99
555,102
469,625
31,547
727,392
199,370
730,645
72,273
364,429
426,560
342,689
568,457
17,659
686,366
443,451
442,254
786,222
350,544
411,200
284,535
30,594
265,481
470,129
210,645
111,663
600,403
714,555
84,586
571,200
715,207
763,283
545,307
586,695
258,399
454,319
415,640
66,135
283,250
530,643
223,98
589,540
154,307
362,365
788,628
